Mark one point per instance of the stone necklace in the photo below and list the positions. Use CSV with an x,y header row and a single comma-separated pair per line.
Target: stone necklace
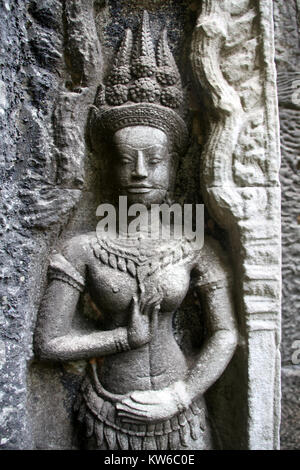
x,y
140,256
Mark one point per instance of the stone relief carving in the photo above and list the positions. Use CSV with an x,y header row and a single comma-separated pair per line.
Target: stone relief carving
x,y
56,45
240,166
140,390
53,67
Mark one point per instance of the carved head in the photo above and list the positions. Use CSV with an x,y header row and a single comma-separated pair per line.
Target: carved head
x,y
137,112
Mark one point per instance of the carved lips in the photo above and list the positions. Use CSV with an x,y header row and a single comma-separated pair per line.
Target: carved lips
x,y
139,188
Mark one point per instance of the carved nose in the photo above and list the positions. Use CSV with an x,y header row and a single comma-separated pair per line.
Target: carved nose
x,y
140,167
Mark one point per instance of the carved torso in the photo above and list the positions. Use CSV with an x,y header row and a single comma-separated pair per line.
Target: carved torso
x,y
111,287
112,272
161,361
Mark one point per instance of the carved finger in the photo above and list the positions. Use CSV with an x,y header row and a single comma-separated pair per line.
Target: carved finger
x,y
142,288
151,303
134,301
144,303
129,405
135,311
157,299
147,297
144,398
134,305
154,307
160,291
142,299
132,414
154,318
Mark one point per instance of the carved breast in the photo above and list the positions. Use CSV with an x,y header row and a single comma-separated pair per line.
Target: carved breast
x,y
119,269
112,290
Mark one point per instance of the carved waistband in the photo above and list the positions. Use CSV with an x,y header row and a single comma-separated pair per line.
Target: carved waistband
x,y
98,412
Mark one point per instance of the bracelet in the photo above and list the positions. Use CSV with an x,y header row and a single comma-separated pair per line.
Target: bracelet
x,y
121,341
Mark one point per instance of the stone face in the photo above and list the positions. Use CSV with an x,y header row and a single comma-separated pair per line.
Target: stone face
x,y
56,54
286,17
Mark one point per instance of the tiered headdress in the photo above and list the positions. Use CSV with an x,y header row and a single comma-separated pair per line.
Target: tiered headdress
x,y
141,89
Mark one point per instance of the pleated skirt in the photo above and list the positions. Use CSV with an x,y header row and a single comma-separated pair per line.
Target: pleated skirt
x,y
104,430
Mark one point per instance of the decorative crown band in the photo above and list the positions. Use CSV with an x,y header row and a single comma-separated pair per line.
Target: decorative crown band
x,y
108,121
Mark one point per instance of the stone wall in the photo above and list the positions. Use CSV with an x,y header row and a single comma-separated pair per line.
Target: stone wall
x,y
44,82
287,41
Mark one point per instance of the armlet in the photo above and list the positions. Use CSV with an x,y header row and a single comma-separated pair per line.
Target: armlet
x,y
62,270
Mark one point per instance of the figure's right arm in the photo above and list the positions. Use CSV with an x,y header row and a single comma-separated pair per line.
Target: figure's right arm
x,y
55,337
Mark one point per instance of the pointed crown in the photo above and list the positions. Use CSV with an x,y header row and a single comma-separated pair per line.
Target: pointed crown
x,y
142,88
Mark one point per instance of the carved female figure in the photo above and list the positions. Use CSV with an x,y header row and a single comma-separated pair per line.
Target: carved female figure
x,y
141,392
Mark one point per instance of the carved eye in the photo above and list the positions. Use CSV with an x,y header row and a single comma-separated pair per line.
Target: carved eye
x,y
154,161
124,160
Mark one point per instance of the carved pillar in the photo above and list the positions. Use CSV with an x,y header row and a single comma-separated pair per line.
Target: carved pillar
x,y
233,60
287,35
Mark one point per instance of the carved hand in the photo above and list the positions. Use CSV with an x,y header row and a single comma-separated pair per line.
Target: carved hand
x,y
153,406
143,319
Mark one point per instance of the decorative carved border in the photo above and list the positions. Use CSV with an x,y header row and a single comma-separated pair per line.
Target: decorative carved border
x,y
232,57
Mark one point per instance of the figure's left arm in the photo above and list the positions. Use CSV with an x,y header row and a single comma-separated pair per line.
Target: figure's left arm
x,y
213,285
221,341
